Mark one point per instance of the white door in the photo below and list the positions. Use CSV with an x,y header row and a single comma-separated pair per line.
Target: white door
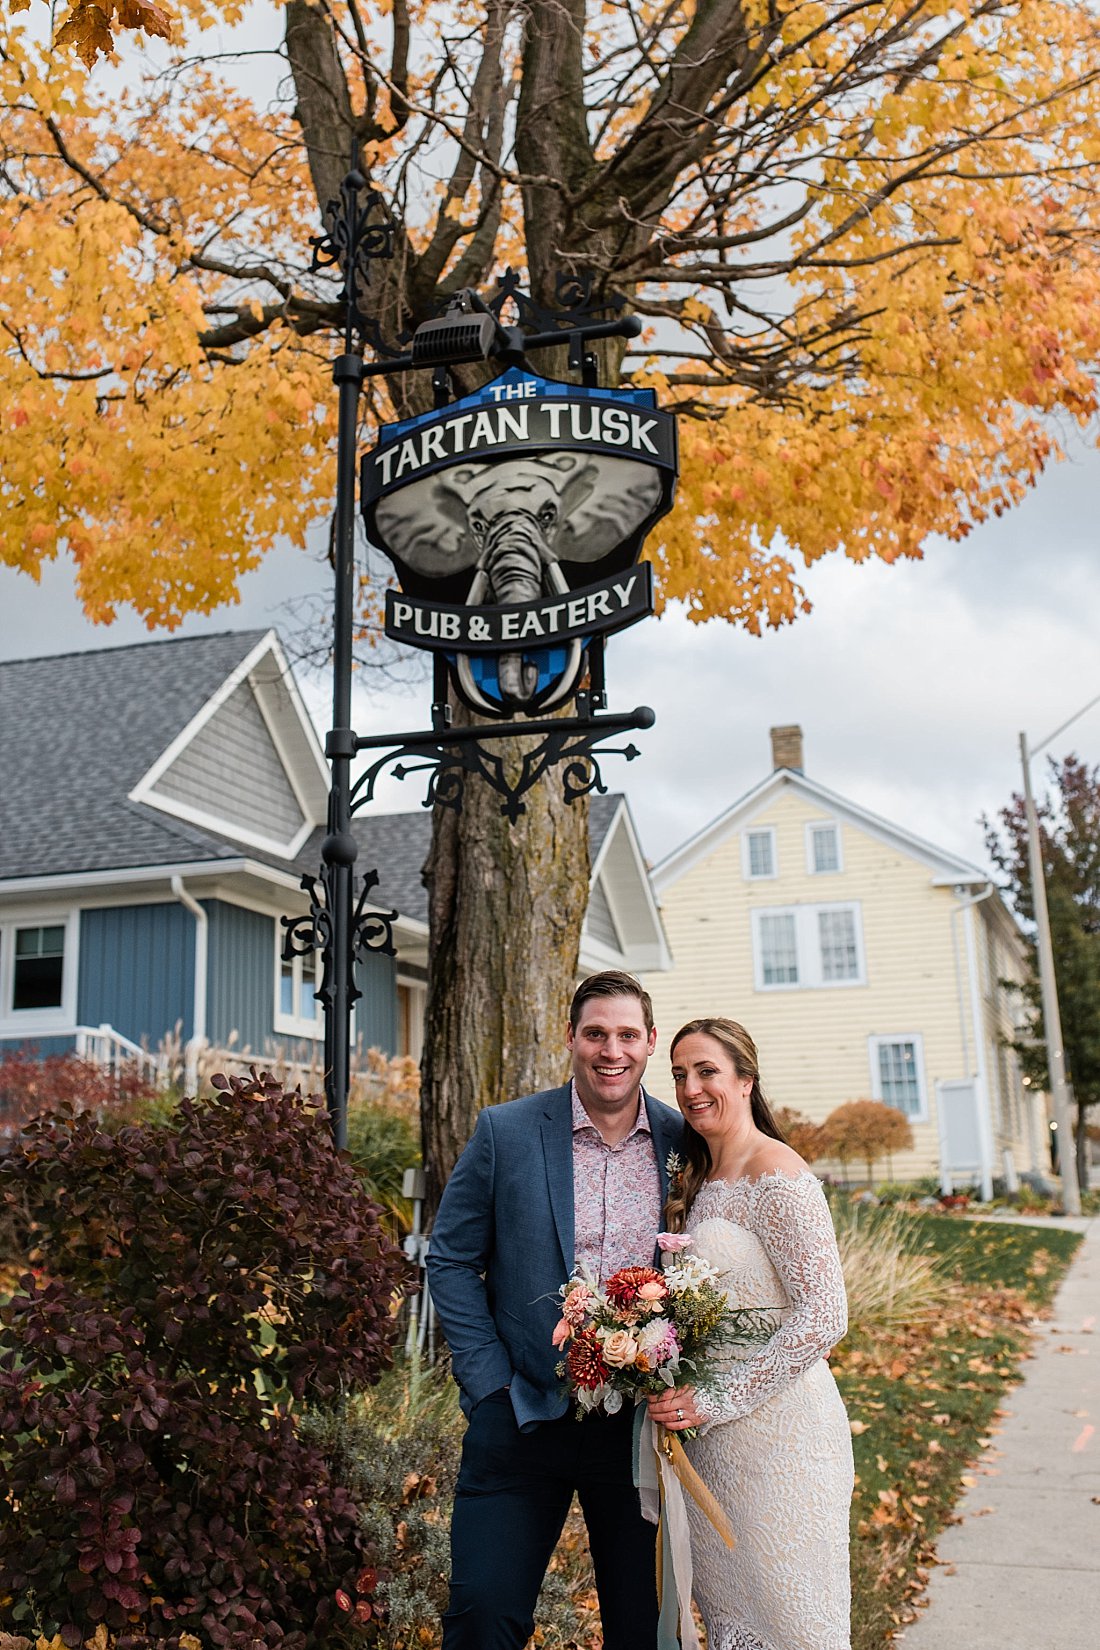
x,y
960,1132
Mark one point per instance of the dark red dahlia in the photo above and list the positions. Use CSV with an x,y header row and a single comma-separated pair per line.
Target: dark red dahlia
x,y
622,1286
584,1361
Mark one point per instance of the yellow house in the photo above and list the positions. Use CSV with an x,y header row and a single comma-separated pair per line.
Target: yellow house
x,y
865,963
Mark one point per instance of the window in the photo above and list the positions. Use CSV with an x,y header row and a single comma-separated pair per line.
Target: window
x,y
822,849
297,1011
839,951
897,1074
778,948
758,853
811,946
38,969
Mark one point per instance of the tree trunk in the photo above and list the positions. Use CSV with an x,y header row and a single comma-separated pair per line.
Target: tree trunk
x,y
506,903
1082,1147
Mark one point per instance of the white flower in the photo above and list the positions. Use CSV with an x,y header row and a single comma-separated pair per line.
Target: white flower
x,y
653,1334
691,1271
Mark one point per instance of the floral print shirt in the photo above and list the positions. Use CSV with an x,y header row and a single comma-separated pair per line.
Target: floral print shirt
x,y
616,1195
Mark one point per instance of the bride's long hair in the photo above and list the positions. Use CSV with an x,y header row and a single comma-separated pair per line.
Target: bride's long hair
x,y
684,1187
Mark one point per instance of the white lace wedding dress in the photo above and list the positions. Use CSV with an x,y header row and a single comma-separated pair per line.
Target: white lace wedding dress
x,y
777,1450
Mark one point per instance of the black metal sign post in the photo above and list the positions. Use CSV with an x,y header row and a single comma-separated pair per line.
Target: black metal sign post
x,y
514,519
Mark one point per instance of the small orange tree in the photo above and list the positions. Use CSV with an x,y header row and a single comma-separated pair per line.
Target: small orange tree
x,y
800,1134
866,1129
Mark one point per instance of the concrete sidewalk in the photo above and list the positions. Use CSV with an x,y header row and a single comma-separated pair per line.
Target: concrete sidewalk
x,y
1022,1570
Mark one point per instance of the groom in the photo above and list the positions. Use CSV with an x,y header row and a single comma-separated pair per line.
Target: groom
x,y
576,1174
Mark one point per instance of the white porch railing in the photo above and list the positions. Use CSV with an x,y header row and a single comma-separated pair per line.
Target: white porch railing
x,y
103,1046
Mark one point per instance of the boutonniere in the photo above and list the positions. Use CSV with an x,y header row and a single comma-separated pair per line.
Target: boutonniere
x,y
674,1164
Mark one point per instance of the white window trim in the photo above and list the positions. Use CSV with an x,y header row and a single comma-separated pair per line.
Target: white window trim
x,y
746,857
874,1043
418,1002
290,1025
42,1021
813,825
758,947
807,946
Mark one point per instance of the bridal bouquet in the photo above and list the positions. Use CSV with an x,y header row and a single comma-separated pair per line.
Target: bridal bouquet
x,y
644,1331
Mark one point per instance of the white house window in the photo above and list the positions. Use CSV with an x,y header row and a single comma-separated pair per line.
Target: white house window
x,y
839,947
758,853
297,1011
778,948
822,849
38,968
897,1074
811,946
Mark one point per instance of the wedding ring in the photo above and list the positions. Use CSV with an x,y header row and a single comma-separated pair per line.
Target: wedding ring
x,y
679,1415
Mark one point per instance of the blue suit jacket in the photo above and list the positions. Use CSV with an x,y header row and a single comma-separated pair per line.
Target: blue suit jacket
x,y
502,1246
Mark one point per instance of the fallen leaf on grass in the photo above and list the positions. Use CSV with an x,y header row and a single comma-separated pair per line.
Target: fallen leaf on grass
x,y
858,1427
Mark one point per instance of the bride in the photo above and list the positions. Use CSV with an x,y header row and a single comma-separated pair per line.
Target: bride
x,y
775,1446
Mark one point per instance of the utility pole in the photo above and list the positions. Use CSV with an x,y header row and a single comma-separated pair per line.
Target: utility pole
x,y
1048,985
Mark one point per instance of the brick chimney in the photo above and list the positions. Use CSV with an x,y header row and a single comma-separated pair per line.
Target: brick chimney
x,y
787,747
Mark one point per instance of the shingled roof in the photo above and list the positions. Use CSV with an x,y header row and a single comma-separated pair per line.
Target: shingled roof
x,y
79,730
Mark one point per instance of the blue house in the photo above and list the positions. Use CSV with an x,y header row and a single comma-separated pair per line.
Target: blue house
x,y
159,804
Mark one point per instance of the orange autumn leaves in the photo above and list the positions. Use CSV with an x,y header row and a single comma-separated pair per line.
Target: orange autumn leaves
x,y
164,467
884,272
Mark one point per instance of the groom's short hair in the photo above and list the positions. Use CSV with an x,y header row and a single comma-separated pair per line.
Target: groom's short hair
x,y
613,982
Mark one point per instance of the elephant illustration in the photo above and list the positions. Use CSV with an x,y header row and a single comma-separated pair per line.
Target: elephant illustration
x,y
514,522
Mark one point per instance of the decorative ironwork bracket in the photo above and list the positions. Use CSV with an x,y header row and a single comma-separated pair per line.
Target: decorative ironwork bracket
x,y
371,930
573,306
449,755
359,232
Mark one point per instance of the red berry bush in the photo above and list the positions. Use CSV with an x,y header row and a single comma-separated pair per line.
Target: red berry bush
x,y
195,1280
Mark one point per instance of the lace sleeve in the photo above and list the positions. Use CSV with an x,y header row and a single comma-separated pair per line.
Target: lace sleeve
x,y
791,1218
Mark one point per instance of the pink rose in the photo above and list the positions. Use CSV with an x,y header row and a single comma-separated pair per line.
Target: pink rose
x,y
563,1331
619,1349
670,1243
651,1292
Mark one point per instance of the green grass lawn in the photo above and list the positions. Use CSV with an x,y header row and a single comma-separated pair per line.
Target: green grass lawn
x,y
923,1401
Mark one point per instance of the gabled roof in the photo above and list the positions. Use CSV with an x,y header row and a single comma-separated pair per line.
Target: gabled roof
x,y
79,732
621,881
946,868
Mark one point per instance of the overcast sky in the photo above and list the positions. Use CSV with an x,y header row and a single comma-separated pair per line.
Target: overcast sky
x,y
911,682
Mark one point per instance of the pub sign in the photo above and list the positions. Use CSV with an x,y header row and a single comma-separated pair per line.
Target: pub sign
x,y
514,519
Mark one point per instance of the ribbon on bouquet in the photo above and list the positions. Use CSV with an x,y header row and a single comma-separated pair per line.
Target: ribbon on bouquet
x,y
662,1473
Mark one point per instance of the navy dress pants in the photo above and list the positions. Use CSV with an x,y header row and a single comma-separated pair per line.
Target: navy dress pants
x,y
513,1494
